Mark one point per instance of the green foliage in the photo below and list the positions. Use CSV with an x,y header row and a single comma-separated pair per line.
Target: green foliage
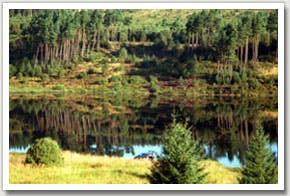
x,y
154,88
90,71
181,81
120,68
123,54
59,87
82,75
236,78
44,77
260,166
93,57
38,70
104,68
149,61
12,70
179,165
44,151
102,81
254,83
138,80
116,78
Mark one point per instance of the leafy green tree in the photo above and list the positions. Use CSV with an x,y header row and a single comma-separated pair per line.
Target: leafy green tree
x,y
260,166
179,165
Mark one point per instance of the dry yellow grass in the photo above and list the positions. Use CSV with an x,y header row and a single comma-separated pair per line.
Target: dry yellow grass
x,y
88,169
80,169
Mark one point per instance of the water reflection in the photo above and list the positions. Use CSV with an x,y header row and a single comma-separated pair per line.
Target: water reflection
x,y
125,126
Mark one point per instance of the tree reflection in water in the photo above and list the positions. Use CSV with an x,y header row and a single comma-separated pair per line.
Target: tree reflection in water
x,y
115,124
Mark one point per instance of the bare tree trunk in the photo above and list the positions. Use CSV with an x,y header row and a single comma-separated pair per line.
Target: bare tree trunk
x,y
84,42
192,41
246,50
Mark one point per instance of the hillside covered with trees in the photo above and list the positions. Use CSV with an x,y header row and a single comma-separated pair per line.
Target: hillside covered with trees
x,y
156,51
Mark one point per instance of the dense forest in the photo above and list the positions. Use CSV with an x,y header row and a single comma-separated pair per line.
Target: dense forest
x,y
158,49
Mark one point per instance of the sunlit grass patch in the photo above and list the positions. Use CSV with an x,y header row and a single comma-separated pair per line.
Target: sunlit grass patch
x,y
88,169
219,174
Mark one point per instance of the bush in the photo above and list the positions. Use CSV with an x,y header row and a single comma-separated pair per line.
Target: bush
x,y
236,78
102,81
154,88
254,83
138,80
149,61
90,71
44,151
116,78
181,81
120,68
44,77
12,70
82,75
59,88
93,57
123,54
105,68
38,70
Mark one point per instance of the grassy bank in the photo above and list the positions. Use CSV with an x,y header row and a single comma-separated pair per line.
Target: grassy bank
x,y
88,169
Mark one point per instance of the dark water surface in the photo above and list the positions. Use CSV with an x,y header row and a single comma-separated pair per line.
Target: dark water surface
x,y
127,125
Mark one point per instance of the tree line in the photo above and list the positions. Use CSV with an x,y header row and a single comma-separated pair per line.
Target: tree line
x,y
44,38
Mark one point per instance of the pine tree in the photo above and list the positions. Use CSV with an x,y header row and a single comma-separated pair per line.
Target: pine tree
x,y
179,165
260,166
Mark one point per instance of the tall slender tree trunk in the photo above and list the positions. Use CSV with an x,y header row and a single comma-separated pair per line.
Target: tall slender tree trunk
x,y
246,50
84,42
241,53
94,38
192,41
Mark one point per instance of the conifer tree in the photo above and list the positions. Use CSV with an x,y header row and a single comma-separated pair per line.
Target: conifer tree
x,y
179,165
260,166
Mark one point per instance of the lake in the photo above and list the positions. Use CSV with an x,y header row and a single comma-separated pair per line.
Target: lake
x,y
126,125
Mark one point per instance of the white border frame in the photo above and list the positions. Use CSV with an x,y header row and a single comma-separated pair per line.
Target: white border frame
x,y
151,5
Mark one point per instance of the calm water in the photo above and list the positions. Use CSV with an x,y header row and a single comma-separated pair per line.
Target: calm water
x,y
126,125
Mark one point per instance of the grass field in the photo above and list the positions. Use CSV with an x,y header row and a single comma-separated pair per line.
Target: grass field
x,y
88,169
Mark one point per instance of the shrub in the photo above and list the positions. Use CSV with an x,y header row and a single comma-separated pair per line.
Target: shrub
x,y
179,164
19,76
102,81
59,88
154,88
90,71
236,78
93,57
60,73
137,80
116,78
254,83
38,70
105,68
149,61
44,151
123,54
82,75
113,59
44,77
120,68
12,70
181,81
